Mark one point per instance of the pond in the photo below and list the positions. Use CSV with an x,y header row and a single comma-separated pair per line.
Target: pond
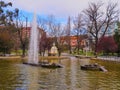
x,y
16,76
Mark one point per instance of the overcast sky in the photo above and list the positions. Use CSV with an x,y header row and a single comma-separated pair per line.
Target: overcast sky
x,y
59,8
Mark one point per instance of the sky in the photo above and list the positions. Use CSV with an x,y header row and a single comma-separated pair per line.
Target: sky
x,y
61,9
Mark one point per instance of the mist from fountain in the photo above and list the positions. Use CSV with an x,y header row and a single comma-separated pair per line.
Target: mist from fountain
x,y
33,55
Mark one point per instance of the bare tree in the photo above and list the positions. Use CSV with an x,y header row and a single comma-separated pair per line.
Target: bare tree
x,y
55,30
22,32
42,24
79,30
99,21
52,26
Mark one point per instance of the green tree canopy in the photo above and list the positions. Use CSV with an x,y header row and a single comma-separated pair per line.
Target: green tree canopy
x,y
7,15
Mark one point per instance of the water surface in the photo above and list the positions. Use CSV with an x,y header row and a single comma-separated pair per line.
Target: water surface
x,y
16,76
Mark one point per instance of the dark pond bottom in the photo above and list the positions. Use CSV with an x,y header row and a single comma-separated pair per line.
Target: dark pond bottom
x,y
31,64
44,65
93,67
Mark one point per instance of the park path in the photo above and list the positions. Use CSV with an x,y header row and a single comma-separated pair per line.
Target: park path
x,y
109,58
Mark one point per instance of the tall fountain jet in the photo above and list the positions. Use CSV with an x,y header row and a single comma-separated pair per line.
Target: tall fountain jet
x,y
33,55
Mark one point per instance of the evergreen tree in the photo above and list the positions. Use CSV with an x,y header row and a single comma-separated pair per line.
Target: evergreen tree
x,y
117,37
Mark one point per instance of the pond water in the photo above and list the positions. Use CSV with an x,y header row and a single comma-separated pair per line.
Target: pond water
x,y
16,76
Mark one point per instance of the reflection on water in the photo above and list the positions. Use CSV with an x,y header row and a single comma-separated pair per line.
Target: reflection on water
x,y
17,76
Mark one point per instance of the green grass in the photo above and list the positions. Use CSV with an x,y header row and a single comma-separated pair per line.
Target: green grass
x,y
89,53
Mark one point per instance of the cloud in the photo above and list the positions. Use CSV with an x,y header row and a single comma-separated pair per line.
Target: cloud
x,y
59,8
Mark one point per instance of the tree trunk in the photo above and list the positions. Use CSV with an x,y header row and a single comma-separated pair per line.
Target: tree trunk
x,y
70,49
118,53
96,46
59,51
23,50
78,45
78,50
4,51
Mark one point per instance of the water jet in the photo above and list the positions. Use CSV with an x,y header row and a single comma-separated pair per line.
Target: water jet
x,y
33,51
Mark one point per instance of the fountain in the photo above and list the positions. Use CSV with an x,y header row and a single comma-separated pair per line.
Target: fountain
x,y
33,56
33,52
33,46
